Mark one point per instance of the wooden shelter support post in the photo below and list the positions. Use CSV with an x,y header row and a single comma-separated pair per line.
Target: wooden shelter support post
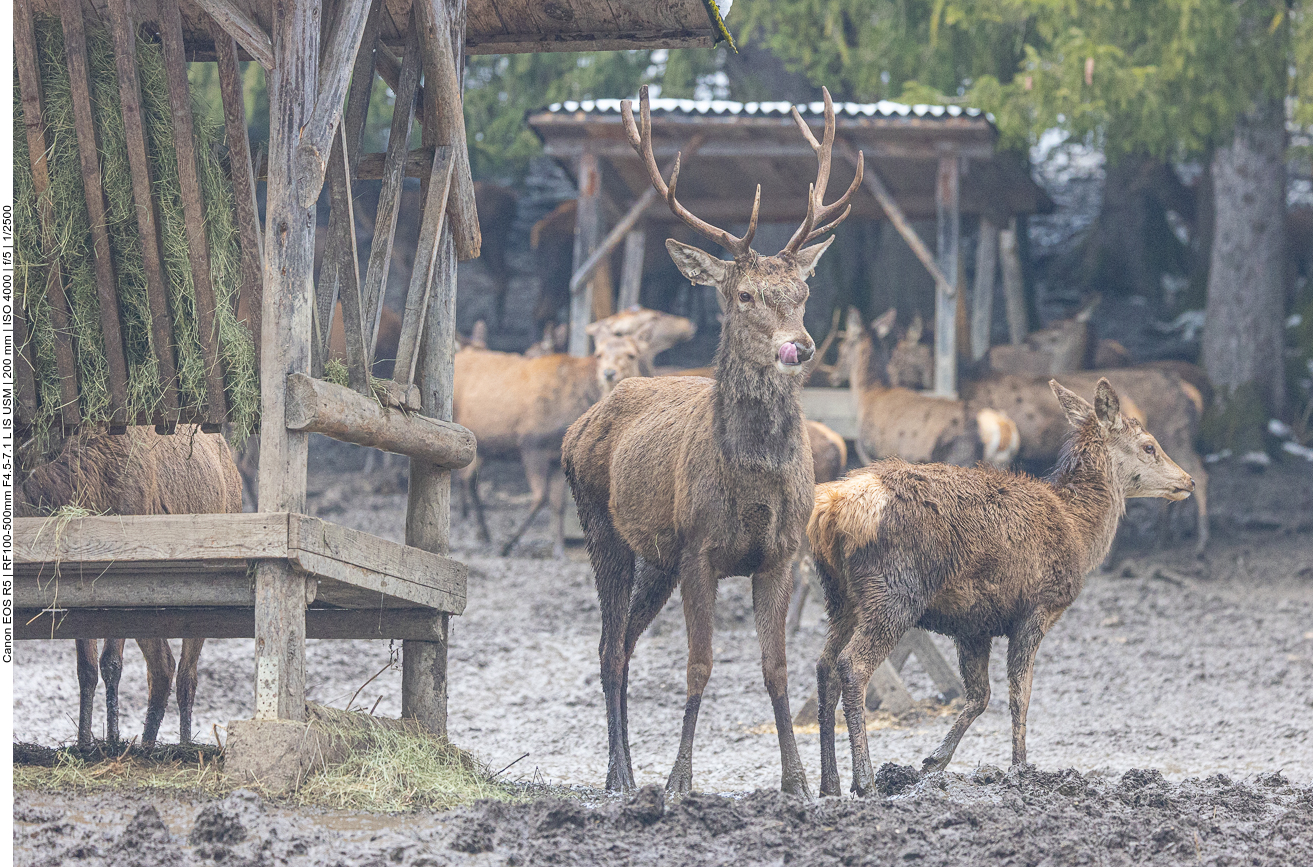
x,y
280,591
587,230
948,220
1014,292
982,291
428,507
631,275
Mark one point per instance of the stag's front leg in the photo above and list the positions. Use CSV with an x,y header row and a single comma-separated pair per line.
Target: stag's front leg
x,y
159,683
111,671
1022,646
770,605
88,677
188,664
697,587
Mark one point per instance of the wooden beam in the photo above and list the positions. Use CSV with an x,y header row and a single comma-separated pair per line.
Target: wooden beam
x,y
335,71
631,274
943,674
587,229
243,178
29,79
123,29
886,691
445,113
625,223
377,623
148,539
388,66
24,368
419,163
280,590
871,181
982,292
193,208
346,274
948,219
92,590
763,146
1014,292
322,407
242,28
441,187
389,198
530,44
75,52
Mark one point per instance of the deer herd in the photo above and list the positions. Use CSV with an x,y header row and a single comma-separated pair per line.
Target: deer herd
x,y
682,480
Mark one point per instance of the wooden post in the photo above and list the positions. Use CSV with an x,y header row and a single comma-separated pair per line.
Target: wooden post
x,y
428,507
244,29
587,229
1014,293
948,221
982,293
280,591
631,276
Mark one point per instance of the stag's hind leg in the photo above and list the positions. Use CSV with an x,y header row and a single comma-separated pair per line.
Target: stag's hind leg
x,y
88,678
159,682
186,686
973,660
111,671
770,605
1023,643
828,688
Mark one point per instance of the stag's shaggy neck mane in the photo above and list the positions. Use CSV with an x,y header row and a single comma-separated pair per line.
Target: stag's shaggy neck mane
x,y
758,415
1084,481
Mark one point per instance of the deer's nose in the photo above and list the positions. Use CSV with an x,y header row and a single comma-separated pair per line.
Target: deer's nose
x,y
805,351
609,373
1189,483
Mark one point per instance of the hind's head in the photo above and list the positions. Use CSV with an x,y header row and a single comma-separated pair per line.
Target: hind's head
x,y
1136,460
617,358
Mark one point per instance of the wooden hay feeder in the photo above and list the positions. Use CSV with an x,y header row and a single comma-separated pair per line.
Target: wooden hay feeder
x,y
278,575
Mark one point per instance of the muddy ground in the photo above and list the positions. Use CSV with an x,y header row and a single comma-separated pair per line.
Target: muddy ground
x,y
1180,667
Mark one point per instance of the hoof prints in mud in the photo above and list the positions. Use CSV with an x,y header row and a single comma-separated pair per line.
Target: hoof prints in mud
x,y
1021,816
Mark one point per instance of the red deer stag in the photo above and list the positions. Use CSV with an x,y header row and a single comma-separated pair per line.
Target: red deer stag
x,y
137,473
970,553
686,480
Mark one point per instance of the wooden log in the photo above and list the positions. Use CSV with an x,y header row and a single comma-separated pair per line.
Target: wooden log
x,y
621,229
1014,291
871,181
130,591
347,273
982,292
322,407
193,209
362,82
123,29
75,52
587,229
335,69
243,178
241,27
389,199
941,672
948,219
288,304
631,274
445,116
441,187
886,691
419,163
376,623
388,66
24,368
29,79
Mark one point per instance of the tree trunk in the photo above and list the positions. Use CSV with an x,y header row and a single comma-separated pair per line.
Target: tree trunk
x,y
1242,341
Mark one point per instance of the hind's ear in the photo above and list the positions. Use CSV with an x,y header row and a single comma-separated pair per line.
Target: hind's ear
x,y
1077,408
1107,406
699,266
883,325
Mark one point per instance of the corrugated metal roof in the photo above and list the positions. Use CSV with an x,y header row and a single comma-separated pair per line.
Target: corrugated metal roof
x,y
883,108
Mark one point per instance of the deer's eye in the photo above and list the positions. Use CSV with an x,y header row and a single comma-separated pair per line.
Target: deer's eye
x,y
1149,449
745,297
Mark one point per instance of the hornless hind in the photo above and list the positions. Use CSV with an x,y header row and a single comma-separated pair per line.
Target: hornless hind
x,y
970,553
686,480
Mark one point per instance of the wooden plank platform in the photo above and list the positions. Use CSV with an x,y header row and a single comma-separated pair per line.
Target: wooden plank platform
x,y
414,624
832,407
193,561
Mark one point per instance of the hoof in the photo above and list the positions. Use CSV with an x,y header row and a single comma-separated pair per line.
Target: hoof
x,y
796,785
932,764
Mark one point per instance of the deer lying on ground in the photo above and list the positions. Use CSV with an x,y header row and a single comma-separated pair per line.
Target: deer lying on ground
x,y
900,422
518,405
970,553
686,480
136,473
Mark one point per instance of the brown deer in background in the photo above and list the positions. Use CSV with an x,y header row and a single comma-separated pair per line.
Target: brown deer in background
x,y
136,473
970,553
686,480
655,331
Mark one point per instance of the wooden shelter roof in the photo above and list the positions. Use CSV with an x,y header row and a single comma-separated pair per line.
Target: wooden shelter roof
x,y
493,26
750,143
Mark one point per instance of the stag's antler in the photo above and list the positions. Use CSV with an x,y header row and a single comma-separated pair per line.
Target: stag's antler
x,y
640,137
817,211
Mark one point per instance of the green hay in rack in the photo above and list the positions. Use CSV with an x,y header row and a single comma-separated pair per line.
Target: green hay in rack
x,y
70,233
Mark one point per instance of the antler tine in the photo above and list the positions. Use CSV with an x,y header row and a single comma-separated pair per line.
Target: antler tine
x,y
817,210
640,138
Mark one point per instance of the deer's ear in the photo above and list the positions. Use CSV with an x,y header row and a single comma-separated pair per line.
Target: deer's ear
x,y
1077,408
699,266
596,329
883,325
1107,406
808,257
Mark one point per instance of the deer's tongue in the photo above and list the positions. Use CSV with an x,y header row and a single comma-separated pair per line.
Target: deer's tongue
x,y
789,353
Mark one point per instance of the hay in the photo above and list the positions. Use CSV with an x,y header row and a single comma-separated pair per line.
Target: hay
x,y
70,237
